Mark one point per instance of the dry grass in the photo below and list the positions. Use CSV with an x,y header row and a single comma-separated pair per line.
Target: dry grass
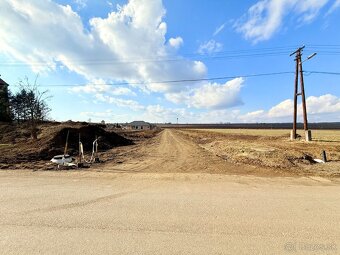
x,y
4,145
272,148
318,135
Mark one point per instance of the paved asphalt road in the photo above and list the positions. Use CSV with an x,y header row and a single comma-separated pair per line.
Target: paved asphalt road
x,y
150,213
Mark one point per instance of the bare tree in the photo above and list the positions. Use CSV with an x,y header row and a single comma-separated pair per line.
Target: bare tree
x,y
29,104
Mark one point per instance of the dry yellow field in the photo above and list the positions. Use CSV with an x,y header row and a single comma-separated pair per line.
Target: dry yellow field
x,y
317,135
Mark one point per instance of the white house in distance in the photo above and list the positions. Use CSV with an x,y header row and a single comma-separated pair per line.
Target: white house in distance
x,y
139,125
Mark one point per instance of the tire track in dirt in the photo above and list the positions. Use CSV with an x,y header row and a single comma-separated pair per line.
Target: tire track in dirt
x,y
81,203
170,151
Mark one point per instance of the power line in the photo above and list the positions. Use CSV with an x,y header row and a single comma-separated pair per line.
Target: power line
x,y
274,51
323,45
115,62
322,72
235,51
180,59
187,80
169,81
248,53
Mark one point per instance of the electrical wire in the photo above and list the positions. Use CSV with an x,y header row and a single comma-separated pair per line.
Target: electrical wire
x,y
232,54
207,58
186,80
121,62
322,72
261,52
169,81
249,53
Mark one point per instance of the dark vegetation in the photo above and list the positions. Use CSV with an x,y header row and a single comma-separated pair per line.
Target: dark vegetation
x,y
5,114
28,105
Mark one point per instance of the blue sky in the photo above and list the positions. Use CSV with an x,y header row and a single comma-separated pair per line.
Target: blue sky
x,y
112,60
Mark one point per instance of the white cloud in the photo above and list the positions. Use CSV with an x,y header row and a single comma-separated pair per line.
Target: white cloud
x,y
214,95
127,45
282,109
152,113
322,108
96,86
176,42
210,47
335,6
101,86
211,95
310,9
80,3
219,29
265,17
106,114
324,104
217,116
109,116
160,114
122,91
110,4
254,116
124,103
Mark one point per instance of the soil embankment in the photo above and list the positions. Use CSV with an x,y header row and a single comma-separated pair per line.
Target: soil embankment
x,y
17,146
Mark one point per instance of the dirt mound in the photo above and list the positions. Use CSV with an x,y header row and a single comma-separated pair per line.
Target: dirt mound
x,y
138,135
17,146
106,140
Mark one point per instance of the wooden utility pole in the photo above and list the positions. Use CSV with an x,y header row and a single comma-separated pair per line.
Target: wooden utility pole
x,y
304,108
299,72
295,97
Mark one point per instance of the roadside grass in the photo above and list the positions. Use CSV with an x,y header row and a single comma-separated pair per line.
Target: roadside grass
x,y
317,135
5,145
273,149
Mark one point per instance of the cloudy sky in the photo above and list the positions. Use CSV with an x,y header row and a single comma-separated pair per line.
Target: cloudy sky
x,y
196,60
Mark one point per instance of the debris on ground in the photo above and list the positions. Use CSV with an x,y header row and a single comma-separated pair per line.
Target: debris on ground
x,y
270,149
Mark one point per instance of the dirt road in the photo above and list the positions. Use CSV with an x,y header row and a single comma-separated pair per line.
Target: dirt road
x,y
158,202
171,152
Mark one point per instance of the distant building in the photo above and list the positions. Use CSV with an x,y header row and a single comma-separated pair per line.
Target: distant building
x,y
4,102
139,125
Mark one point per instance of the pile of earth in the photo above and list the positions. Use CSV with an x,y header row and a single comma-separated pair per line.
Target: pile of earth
x,y
87,135
138,135
17,146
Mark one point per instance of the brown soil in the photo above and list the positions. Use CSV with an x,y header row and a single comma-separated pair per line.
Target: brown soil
x,y
272,152
16,145
192,151
137,135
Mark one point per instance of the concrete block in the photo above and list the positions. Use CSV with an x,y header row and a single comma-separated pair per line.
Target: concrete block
x,y
308,134
292,136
